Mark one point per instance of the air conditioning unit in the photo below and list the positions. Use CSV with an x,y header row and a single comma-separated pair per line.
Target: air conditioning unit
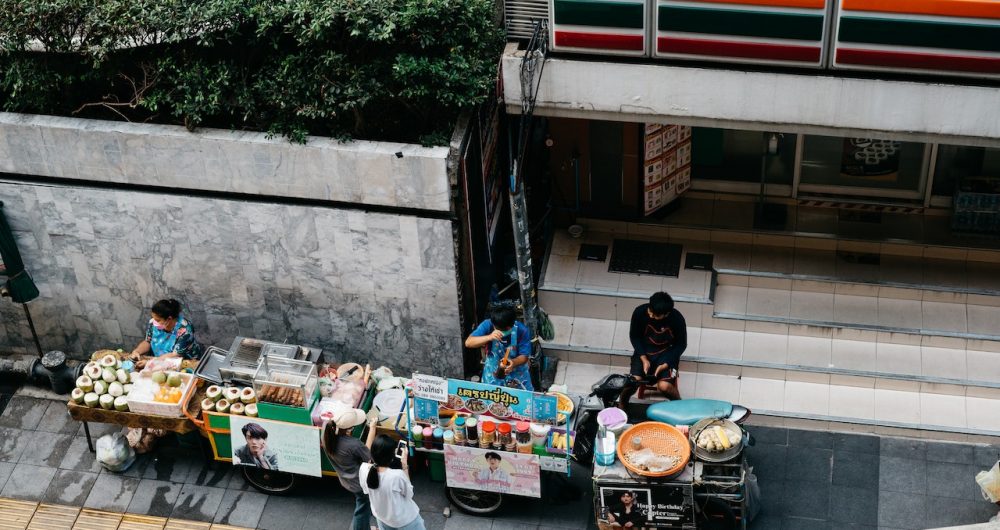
x,y
520,16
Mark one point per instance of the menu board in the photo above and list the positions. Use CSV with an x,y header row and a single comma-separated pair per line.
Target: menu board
x,y
500,402
667,167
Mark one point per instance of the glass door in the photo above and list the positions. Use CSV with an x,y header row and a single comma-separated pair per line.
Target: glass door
x,y
863,167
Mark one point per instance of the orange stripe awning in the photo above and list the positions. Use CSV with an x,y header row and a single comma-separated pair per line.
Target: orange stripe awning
x,y
951,8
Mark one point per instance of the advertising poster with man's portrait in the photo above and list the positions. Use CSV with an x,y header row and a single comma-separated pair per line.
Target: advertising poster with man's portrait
x,y
486,470
275,445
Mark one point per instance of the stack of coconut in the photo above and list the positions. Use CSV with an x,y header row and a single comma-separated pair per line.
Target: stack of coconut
x,y
104,384
230,400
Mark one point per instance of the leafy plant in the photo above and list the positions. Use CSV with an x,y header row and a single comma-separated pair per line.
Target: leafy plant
x,y
386,69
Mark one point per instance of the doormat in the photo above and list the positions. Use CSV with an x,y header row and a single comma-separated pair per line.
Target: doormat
x,y
590,252
645,257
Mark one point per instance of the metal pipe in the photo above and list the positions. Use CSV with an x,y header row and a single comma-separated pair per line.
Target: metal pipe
x,y
34,334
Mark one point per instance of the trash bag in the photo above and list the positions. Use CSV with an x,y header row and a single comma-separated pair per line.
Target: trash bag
x,y
753,496
989,483
114,453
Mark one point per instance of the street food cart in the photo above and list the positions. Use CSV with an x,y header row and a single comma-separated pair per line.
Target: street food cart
x,y
485,441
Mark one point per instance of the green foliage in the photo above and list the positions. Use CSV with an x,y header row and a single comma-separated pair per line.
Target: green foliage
x,y
385,69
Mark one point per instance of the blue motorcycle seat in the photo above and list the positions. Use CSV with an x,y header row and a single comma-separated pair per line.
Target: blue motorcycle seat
x,y
688,411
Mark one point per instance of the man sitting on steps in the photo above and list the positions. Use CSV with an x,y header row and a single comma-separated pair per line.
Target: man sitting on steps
x,y
659,336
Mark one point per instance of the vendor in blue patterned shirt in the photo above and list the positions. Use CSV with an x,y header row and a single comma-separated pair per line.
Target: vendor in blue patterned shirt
x,y
168,334
502,336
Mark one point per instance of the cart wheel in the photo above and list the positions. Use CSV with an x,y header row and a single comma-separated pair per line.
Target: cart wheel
x,y
475,502
267,481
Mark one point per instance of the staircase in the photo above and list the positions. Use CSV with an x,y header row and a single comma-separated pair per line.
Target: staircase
x,y
902,339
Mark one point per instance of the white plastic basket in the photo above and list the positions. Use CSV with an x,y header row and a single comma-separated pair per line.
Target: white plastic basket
x,y
170,410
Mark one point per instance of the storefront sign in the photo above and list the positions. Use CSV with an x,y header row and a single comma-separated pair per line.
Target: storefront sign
x,y
430,387
871,158
485,470
275,445
653,506
490,400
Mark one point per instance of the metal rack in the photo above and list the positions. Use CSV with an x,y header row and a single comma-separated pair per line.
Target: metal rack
x,y
726,482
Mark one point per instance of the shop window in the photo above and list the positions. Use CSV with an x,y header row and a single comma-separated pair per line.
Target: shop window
x,y
956,162
861,163
728,154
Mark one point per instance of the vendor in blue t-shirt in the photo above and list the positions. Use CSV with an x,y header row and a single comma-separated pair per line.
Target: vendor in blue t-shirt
x,y
502,336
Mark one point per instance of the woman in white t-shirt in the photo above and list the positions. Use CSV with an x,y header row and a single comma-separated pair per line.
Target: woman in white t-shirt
x,y
389,489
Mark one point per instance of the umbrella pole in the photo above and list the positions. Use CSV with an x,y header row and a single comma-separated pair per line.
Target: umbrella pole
x,y
34,334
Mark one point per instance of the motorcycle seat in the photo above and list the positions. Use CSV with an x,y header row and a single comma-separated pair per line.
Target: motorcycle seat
x,y
688,411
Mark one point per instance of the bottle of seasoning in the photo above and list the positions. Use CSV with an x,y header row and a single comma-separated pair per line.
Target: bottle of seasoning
x,y
418,435
428,438
449,437
487,436
523,437
504,437
459,430
438,434
471,432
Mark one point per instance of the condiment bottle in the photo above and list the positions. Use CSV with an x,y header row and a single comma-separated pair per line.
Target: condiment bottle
x,y
418,434
471,432
449,437
459,430
487,436
504,438
428,438
523,437
438,434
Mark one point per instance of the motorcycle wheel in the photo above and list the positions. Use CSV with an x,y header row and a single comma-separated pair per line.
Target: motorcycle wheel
x,y
270,482
475,502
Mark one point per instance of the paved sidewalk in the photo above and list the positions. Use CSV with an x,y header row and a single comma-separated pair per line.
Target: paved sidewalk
x,y
808,479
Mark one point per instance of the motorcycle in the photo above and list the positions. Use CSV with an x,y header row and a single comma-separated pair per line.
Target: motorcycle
x,y
616,390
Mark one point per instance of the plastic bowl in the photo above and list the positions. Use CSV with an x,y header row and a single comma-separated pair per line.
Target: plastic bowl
x,y
613,419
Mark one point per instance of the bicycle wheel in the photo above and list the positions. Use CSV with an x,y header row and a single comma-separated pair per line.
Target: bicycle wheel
x,y
475,502
268,481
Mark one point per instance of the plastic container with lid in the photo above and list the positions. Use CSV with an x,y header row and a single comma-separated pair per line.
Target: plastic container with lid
x,y
458,429
523,437
449,437
487,434
504,434
471,431
539,434
428,438
438,434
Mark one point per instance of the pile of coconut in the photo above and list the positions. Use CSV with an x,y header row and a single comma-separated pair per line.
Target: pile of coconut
x,y
230,400
104,384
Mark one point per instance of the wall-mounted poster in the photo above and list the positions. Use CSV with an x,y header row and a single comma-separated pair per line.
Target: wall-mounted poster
x,y
667,166
275,445
871,158
485,470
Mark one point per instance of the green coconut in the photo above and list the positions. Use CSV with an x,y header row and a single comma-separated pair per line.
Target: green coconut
x,y
93,371
236,408
77,395
232,394
208,404
121,404
122,375
109,375
214,393
159,377
91,399
116,389
174,379
107,401
250,410
248,396
109,361
84,383
100,387
222,406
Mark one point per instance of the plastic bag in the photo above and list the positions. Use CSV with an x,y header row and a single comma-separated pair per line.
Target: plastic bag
x,y
753,496
989,483
114,453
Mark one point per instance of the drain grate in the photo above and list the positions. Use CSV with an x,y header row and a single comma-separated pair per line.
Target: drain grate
x,y
645,257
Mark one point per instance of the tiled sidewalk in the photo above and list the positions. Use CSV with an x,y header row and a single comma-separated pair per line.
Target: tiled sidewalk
x,y
28,515
808,479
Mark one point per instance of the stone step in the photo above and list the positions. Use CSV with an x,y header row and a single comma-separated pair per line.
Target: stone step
x,y
942,410
794,348
859,306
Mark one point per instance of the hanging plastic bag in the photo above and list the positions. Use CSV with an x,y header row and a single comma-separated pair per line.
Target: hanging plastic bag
x,y
989,483
753,496
546,329
114,453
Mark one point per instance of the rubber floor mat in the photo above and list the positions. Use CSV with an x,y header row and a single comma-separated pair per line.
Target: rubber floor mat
x,y
645,257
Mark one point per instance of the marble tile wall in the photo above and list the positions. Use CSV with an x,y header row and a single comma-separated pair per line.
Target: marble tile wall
x,y
363,286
